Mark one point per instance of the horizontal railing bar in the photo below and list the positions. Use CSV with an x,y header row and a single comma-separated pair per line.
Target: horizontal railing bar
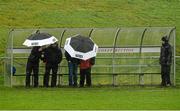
x,y
113,66
151,57
120,46
98,74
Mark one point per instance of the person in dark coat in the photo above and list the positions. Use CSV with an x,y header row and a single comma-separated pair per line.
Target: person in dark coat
x,y
52,57
33,65
72,66
165,61
85,71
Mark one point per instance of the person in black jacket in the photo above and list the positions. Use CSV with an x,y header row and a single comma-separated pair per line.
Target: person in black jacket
x,y
33,65
72,66
165,61
52,57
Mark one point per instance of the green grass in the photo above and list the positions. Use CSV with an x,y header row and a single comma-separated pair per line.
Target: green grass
x,y
96,13
90,98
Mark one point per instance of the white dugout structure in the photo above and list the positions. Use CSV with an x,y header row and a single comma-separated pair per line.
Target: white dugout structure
x,y
126,56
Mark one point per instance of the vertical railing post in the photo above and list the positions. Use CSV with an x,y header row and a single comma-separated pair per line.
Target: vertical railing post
x,y
141,76
174,37
12,39
91,32
59,78
113,58
174,58
173,31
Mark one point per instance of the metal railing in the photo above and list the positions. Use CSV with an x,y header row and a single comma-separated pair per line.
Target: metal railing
x,y
114,75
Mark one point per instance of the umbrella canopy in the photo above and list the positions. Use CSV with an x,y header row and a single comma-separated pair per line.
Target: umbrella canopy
x,y
81,47
39,39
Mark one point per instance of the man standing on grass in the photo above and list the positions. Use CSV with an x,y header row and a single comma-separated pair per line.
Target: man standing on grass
x,y
52,57
165,61
73,68
33,65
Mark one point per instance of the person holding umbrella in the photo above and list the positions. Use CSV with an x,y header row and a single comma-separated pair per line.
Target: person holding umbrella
x,y
37,41
52,57
72,66
165,61
33,65
82,48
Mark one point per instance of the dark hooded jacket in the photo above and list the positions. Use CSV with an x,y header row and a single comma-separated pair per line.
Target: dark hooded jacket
x,y
166,54
52,55
35,55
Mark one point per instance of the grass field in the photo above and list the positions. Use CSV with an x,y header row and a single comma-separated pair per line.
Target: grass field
x,y
89,13
90,98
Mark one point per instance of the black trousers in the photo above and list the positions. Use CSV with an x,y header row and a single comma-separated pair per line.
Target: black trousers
x,y
54,68
32,67
165,74
85,73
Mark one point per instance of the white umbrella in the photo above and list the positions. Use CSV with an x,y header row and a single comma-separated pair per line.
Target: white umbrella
x,y
81,47
39,39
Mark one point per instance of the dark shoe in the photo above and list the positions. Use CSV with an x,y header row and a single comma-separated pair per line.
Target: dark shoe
x,y
74,85
70,84
46,86
35,85
53,85
88,85
27,86
81,86
163,84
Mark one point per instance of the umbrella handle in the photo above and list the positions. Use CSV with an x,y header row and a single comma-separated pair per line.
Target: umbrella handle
x,y
38,31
